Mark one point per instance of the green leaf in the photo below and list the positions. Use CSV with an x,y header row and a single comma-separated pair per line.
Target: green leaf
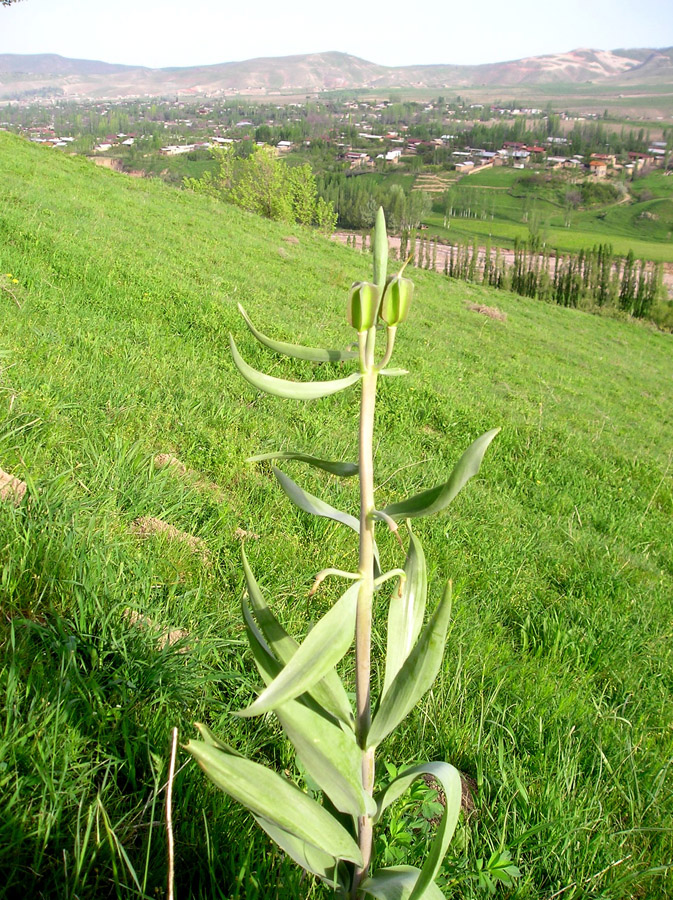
x,y
329,754
313,354
328,693
308,856
397,883
322,648
416,675
267,664
405,613
317,507
449,779
214,741
313,505
438,498
293,390
341,469
267,794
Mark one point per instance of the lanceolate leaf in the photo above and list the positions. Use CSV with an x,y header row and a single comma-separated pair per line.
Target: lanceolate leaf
x,y
269,667
267,794
449,779
313,505
267,664
313,354
438,498
342,469
322,648
394,372
318,507
210,738
308,856
329,754
397,883
416,674
405,613
293,390
328,693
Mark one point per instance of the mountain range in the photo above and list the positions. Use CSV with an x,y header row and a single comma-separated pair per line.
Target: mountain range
x,y
51,75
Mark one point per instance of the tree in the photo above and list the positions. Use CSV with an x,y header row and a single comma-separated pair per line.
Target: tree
x,y
265,185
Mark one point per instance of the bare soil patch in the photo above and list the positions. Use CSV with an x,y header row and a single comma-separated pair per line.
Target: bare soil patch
x,y
146,526
11,488
165,637
168,461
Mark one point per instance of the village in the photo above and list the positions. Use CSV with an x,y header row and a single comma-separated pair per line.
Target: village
x,y
354,135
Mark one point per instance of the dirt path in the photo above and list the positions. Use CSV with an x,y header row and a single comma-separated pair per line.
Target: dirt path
x,y
443,251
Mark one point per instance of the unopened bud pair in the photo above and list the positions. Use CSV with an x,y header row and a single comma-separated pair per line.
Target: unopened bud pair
x,y
364,303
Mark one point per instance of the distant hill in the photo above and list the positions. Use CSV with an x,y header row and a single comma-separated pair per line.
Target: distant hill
x,y
73,78
52,64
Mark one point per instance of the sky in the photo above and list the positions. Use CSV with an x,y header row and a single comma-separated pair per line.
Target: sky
x,y
161,33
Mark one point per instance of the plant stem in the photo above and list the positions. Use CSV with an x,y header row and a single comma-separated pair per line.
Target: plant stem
x,y
390,343
363,627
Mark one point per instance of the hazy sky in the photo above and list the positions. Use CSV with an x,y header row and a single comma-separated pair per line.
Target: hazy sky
x,y
161,33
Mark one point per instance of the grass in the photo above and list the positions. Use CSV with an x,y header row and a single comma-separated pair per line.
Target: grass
x,y
555,695
505,196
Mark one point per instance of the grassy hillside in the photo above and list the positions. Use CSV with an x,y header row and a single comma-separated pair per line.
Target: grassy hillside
x,y
116,299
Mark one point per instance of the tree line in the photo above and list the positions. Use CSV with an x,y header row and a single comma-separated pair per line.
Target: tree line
x,y
591,278
356,199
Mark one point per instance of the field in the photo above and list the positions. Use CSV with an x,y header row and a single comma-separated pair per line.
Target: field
x,y
507,204
555,698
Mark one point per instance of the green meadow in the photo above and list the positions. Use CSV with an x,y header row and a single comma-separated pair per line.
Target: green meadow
x,y
507,202
555,699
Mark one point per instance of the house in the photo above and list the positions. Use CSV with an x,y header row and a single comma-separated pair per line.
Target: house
x,y
356,160
393,156
640,160
284,146
519,157
557,162
608,158
598,168
176,150
658,153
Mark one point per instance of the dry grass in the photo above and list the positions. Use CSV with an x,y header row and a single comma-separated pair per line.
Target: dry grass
x,y
491,311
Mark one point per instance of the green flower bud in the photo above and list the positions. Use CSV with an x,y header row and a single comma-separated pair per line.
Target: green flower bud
x,y
396,300
363,304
